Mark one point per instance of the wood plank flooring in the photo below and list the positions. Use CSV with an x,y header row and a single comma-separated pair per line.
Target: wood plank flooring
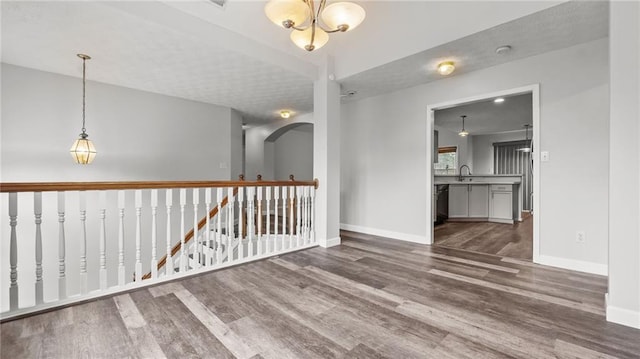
x,y
507,240
368,298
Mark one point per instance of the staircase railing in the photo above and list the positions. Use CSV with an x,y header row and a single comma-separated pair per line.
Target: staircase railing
x,y
89,239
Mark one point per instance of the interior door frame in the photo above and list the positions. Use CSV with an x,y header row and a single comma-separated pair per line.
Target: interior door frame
x,y
534,89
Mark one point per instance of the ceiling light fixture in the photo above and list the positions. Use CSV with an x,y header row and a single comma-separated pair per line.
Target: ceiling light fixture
x,y
83,151
285,114
292,14
526,139
463,132
446,68
501,50
499,100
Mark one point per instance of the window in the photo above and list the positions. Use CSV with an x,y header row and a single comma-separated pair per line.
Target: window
x,y
447,161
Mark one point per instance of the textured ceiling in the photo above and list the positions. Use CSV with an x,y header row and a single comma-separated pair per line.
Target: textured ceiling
x,y
134,52
233,56
487,117
558,27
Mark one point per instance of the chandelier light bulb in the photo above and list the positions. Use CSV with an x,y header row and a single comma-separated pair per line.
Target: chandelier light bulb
x,y
282,11
344,16
302,39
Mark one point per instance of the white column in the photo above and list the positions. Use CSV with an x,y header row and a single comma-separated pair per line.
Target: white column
x,y
326,155
37,211
623,305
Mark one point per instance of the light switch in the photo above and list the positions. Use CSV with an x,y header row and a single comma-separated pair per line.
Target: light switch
x,y
544,156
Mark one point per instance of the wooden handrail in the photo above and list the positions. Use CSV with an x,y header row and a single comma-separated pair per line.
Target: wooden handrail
x,y
100,186
191,233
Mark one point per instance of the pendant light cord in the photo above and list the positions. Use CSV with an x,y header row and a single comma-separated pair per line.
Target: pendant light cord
x,y
84,60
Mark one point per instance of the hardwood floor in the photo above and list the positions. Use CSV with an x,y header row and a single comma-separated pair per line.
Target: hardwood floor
x,y
507,240
368,298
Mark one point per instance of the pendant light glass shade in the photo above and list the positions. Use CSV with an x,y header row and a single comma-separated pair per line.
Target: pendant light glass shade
x,y
83,151
463,132
302,39
338,14
280,11
526,140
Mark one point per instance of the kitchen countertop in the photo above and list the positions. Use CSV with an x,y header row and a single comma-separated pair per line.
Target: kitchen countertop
x,y
478,179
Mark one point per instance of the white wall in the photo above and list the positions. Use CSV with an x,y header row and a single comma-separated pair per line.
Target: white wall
x,y
138,135
294,155
483,149
236,149
383,162
623,305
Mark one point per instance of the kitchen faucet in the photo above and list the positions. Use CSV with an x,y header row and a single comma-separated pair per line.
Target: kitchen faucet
x,y
460,178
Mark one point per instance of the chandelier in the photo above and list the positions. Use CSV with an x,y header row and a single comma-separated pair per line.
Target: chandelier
x,y
83,151
303,17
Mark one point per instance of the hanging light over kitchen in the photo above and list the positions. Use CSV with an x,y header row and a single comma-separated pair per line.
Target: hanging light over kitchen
x,y
463,132
527,147
83,151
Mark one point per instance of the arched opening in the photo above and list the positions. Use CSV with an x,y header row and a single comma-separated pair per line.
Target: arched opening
x,y
289,151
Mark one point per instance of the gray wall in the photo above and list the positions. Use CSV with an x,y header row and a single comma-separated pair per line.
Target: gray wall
x,y
293,154
483,149
384,162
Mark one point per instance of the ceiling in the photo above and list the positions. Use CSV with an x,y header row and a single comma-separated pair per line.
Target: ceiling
x,y
487,117
234,56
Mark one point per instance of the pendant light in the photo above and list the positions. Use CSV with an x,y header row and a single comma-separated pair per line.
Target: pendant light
x,y
526,140
463,132
83,151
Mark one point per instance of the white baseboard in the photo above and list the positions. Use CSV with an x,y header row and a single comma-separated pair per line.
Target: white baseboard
x,y
572,264
332,242
623,316
382,233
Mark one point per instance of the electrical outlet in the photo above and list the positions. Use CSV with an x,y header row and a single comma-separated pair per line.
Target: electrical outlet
x,y
544,156
580,236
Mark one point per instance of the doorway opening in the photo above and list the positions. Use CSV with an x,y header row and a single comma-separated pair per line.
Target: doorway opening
x,y
482,180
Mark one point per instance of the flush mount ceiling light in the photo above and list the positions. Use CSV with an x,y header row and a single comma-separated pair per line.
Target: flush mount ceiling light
x,y
446,68
499,100
285,114
303,17
463,132
83,151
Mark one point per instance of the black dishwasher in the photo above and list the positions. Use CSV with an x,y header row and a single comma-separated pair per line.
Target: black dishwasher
x,y
442,203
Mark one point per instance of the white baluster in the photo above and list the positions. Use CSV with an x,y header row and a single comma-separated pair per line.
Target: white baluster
x,y
268,200
276,197
307,210
13,249
103,240
292,198
138,204
250,218
197,245
169,270
121,268
299,197
154,233
259,212
284,217
241,232
37,211
183,249
312,218
62,279
219,232
231,202
207,201
83,243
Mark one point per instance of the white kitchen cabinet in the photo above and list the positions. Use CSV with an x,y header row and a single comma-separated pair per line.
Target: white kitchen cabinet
x,y
458,201
501,204
478,200
468,201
